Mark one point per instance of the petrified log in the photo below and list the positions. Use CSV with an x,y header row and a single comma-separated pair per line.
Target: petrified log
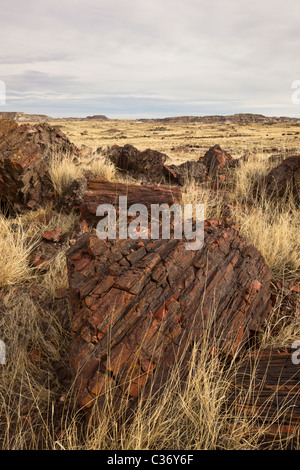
x,y
86,194
149,163
139,303
217,161
282,180
25,152
267,390
185,172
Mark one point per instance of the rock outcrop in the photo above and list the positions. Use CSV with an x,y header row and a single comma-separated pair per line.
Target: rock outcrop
x,y
185,173
217,161
86,194
153,166
269,380
140,303
25,152
282,180
149,163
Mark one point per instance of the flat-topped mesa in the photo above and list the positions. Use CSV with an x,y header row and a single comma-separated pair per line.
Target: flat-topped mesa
x,y
25,152
140,303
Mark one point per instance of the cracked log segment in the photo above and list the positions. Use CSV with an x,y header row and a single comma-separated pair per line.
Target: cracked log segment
x,y
146,301
282,180
185,173
267,392
86,194
149,163
151,166
25,152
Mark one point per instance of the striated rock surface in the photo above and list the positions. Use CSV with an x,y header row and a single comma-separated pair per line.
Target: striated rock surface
x,y
149,163
25,152
186,172
137,303
86,194
282,179
217,160
266,381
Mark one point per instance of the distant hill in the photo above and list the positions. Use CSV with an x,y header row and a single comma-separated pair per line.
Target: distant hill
x,y
246,118
242,118
23,117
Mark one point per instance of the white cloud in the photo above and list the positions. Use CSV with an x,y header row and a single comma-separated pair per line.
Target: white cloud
x,y
193,56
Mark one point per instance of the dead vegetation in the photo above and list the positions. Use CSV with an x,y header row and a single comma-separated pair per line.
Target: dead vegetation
x,y
38,403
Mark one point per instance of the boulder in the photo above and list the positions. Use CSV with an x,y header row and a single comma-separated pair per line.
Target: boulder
x,y
217,161
148,164
267,393
86,194
139,304
25,152
281,180
184,173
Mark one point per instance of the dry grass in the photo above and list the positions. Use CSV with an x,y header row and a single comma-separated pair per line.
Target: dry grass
x,y
249,173
38,413
202,194
37,409
99,166
63,171
16,248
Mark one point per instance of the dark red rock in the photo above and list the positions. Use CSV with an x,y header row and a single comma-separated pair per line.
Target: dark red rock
x,y
217,161
148,164
86,194
186,172
53,235
25,152
43,256
282,180
267,393
146,301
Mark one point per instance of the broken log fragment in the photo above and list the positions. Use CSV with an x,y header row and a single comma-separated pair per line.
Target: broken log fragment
x,y
142,302
25,152
267,392
86,194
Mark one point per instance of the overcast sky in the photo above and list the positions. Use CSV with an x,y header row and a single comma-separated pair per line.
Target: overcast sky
x,y
154,58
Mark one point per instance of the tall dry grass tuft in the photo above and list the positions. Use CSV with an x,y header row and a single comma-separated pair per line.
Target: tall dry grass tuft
x,y
34,341
274,229
100,166
247,175
16,248
63,170
194,193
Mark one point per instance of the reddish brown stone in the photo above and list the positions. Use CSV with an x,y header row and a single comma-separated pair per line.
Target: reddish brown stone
x,y
295,289
187,171
217,160
267,393
144,301
25,152
86,194
282,180
148,164
53,235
